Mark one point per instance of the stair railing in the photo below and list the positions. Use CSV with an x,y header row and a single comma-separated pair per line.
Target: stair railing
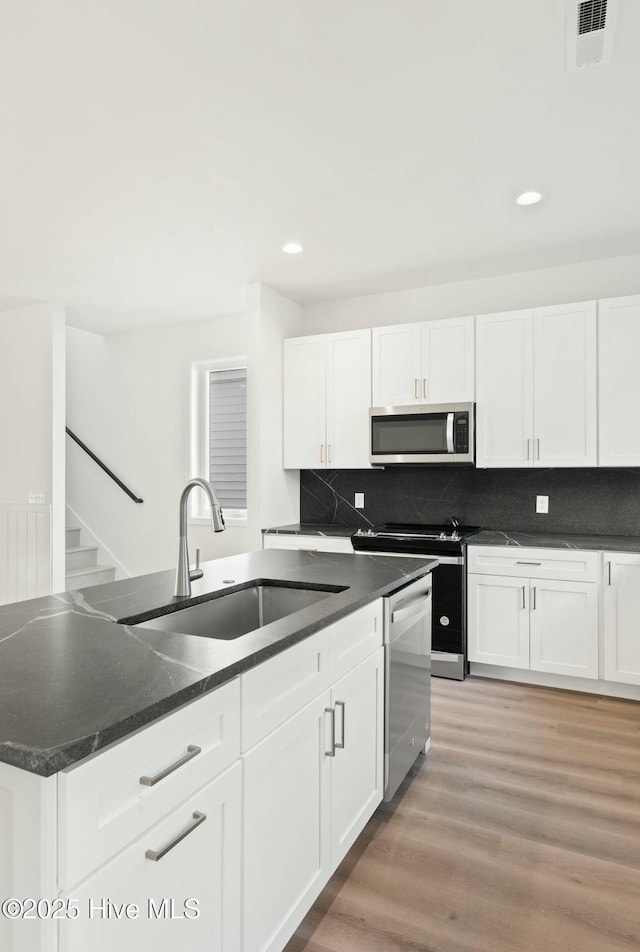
x,y
102,465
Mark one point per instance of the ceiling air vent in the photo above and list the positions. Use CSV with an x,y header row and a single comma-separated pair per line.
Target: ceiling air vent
x,y
590,25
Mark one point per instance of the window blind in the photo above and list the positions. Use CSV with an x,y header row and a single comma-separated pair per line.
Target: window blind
x,y
228,436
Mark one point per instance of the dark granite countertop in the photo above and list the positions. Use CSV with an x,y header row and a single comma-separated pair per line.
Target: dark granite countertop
x,y
301,529
73,681
611,543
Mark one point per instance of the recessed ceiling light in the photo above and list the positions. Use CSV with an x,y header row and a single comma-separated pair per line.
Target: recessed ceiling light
x,y
292,248
528,198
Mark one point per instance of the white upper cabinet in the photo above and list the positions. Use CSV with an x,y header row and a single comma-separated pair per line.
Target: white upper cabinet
x,y
504,386
327,395
619,381
536,387
564,385
432,362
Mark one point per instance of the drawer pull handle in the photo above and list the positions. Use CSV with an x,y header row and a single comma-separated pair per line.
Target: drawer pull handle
x,y
332,714
306,549
341,705
528,563
193,751
155,855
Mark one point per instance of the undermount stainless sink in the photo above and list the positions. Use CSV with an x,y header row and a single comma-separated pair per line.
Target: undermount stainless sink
x,y
229,615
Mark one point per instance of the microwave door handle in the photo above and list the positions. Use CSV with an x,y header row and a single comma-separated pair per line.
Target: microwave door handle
x,y
450,432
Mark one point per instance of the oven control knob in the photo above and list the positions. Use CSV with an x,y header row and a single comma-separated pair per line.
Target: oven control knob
x,y
370,532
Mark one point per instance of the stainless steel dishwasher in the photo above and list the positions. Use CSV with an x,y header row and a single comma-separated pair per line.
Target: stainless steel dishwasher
x,y
407,627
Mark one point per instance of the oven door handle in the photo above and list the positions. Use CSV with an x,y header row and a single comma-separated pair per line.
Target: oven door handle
x,y
415,609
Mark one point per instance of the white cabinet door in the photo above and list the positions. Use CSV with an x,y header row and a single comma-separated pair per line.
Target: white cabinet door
x,y
357,768
397,370
203,865
286,851
448,361
305,402
564,628
622,617
619,381
504,389
565,387
498,620
348,399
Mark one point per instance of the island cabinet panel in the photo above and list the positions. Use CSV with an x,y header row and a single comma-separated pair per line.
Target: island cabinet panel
x,y
311,784
286,853
27,856
619,381
429,362
203,865
354,638
357,769
622,617
277,688
110,799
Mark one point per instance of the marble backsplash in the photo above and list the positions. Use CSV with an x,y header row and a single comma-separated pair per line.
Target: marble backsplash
x,y
594,501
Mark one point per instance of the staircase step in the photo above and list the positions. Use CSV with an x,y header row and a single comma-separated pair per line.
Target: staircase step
x,y
81,556
72,536
84,577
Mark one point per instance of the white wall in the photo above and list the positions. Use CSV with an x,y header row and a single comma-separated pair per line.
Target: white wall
x,y
609,277
32,415
128,399
274,493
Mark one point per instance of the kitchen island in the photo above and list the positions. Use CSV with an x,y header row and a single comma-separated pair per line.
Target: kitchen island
x,y
116,742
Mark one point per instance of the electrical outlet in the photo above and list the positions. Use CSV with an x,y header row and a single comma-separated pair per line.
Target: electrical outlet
x,y
37,499
542,504
359,502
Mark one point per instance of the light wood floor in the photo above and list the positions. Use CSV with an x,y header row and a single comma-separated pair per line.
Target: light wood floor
x,y
520,832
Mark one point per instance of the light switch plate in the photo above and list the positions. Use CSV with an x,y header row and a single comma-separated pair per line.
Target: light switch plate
x,y
542,504
359,503
37,499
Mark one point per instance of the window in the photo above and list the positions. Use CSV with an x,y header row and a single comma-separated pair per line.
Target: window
x,y
219,436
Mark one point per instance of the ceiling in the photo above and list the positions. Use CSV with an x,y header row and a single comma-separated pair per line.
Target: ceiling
x,y
156,154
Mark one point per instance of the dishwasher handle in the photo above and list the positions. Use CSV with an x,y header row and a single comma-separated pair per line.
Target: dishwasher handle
x,y
414,609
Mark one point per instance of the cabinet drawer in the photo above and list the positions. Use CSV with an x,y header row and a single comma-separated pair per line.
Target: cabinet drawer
x,y
354,638
572,565
103,803
311,543
203,865
276,689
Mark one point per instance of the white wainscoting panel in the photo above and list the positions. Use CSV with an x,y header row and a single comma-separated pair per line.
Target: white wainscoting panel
x,y
25,552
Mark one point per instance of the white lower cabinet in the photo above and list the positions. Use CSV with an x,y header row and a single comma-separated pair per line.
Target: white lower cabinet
x,y
286,813
498,620
216,827
621,617
357,769
538,624
182,876
310,788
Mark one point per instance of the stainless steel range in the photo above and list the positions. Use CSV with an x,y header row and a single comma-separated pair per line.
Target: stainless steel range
x,y
447,544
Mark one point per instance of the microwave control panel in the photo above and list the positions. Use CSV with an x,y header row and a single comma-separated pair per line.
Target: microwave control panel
x,y
461,431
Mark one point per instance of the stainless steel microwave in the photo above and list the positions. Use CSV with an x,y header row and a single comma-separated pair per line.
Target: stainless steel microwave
x,y
432,433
